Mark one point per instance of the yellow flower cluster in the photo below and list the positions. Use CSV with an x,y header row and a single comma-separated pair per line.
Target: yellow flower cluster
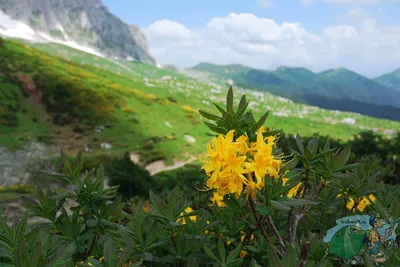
x,y
188,109
238,166
362,203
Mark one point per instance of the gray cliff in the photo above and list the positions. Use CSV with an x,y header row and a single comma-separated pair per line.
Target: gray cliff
x,y
86,22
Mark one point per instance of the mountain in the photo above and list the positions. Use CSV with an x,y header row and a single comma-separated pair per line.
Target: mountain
x,y
356,87
87,23
339,89
391,79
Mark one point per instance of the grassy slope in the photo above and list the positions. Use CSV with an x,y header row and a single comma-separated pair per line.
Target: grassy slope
x,y
135,97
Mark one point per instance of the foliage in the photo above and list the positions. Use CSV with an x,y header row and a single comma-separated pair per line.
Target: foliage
x,y
280,223
131,179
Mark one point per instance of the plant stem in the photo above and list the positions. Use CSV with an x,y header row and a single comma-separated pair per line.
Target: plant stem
x,y
280,240
261,228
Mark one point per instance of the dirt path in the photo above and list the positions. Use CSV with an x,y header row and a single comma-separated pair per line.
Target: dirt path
x,y
161,165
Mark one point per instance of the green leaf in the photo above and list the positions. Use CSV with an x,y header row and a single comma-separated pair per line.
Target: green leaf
x,y
110,252
342,158
299,143
254,263
235,253
223,112
210,254
221,250
264,210
229,100
252,249
123,257
347,167
159,204
209,116
273,256
325,153
214,128
279,206
260,122
242,102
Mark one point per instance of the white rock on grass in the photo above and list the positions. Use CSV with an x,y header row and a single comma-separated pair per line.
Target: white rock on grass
x,y
389,131
280,114
99,128
349,121
189,139
168,124
106,145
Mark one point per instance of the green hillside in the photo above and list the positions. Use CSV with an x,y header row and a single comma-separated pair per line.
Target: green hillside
x,y
61,101
391,79
357,87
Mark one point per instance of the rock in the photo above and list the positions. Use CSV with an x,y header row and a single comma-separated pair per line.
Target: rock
x,y
189,139
349,121
99,128
106,145
166,78
168,124
389,131
87,148
20,165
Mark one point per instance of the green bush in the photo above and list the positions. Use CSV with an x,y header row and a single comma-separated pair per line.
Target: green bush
x,y
131,179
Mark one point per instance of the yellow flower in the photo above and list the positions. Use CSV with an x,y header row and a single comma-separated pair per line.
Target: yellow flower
x,y
361,204
251,189
242,253
218,199
227,161
292,192
261,130
188,109
192,218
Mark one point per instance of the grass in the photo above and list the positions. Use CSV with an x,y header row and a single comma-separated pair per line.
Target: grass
x,y
137,102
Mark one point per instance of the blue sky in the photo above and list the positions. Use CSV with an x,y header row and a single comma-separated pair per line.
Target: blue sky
x,y
316,18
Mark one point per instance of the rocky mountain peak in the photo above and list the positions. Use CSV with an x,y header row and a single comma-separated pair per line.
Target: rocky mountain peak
x,y
86,22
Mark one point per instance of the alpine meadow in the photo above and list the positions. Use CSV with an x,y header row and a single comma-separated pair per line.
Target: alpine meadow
x,y
111,159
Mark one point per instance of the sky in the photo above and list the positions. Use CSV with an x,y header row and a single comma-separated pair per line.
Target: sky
x,y
361,35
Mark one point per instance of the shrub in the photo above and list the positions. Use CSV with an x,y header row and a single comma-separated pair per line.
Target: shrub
x,y
132,179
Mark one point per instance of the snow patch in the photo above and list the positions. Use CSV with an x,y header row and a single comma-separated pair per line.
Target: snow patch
x,y
14,28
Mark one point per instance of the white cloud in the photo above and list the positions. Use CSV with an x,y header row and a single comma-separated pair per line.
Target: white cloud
x,y
356,14
367,48
264,3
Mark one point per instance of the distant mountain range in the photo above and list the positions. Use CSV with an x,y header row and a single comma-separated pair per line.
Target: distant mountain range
x,y
339,89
